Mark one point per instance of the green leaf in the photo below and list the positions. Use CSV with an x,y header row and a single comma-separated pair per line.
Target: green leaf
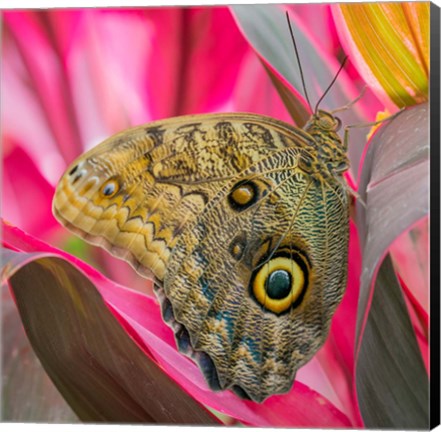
x,y
391,47
94,363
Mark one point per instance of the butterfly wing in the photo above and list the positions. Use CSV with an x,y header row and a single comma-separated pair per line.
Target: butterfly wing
x,y
134,193
247,244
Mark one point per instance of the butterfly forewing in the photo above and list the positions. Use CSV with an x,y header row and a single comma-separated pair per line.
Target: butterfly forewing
x,y
241,223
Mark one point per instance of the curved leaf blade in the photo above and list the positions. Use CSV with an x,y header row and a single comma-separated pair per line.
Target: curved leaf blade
x,y
389,43
394,185
266,28
28,394
93,362
392,384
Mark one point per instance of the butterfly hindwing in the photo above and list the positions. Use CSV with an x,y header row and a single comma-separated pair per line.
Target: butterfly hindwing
x,y
212,268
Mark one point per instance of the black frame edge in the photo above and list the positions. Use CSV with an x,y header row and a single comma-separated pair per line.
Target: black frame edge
x,y
434,215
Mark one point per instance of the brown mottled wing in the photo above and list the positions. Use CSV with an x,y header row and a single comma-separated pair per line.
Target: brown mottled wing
x,y
166,172
170,213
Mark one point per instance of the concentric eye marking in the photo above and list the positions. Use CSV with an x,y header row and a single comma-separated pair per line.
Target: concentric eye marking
x,y
280,284
237,247
109,188
243,195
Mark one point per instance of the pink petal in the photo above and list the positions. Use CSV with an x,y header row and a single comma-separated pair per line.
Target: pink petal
x,y
26,194
254,92
187,77
42,71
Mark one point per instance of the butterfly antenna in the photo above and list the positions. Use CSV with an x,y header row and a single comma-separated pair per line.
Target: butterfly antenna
x,y
330,85
298,60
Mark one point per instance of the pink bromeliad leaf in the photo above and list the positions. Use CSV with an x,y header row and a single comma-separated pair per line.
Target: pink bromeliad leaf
x,y
140,317
26,192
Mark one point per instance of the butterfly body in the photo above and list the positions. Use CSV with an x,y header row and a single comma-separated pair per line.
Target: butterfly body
x,y
242,221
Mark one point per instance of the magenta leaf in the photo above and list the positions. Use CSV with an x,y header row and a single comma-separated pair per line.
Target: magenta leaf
x,y
206,66
139,320
47,78
26,192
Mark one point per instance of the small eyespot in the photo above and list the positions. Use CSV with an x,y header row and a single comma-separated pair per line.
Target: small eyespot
x,y
237,247
109,188
243,195
73,170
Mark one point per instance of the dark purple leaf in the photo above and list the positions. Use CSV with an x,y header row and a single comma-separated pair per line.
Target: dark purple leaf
x,y
94,363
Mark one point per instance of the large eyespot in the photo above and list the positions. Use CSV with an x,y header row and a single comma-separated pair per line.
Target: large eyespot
x,y
243,195
109,188
281,283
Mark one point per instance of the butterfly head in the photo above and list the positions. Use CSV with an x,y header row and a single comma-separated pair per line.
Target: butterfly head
x,y
332,150
324,122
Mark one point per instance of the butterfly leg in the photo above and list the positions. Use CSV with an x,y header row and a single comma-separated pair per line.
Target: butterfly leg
x,y
350,104
370,124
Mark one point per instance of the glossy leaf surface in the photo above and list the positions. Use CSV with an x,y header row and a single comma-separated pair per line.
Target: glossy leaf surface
x,y
394,187
94,363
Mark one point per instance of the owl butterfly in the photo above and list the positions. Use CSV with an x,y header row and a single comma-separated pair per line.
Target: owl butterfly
x,y
242,221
